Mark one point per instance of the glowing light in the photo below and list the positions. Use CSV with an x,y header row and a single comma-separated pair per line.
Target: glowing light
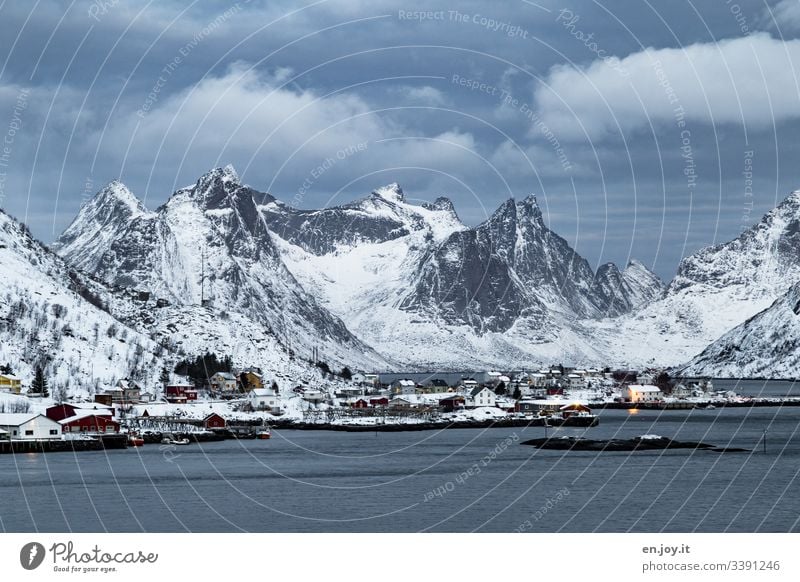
x,y
633,411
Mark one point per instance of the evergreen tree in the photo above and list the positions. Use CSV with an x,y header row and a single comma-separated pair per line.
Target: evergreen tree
x,y
517,393
39,385
164,377
346,373
500,389
6,369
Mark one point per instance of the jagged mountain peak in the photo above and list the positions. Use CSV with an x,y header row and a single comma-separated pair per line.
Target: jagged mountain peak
x,y
116,195
441,203
391,192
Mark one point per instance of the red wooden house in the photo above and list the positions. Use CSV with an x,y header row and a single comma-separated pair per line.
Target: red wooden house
x,y
89,423
69,409
213,421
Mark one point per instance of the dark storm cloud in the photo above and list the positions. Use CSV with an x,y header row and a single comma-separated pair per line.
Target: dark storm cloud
x,y
475,100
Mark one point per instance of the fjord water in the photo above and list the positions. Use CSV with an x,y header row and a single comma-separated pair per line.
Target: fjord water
x,y
310,481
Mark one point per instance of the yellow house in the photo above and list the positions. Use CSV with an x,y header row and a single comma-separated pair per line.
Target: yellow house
x,y
11,383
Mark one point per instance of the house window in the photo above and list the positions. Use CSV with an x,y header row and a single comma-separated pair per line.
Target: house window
x,y
28,433
53,431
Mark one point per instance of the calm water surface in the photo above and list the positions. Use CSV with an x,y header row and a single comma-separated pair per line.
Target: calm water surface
x,y
329,481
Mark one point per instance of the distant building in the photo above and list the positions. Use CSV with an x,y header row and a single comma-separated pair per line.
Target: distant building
x,y
251,379
214,421
223,382
481,396
89,422
642,393
404,386
10,383
264,399
180,392
29,427
69,409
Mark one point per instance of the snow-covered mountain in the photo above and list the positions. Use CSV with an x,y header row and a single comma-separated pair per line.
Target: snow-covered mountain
x,y
766,345
207,258
714,290
414,282
54,317
381,282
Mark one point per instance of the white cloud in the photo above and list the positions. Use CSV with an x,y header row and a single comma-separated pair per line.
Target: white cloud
x,y
752,80
785,14
254,121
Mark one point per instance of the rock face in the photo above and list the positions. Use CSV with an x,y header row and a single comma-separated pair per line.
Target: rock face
x,y
414,282
714,290
209,246
381,282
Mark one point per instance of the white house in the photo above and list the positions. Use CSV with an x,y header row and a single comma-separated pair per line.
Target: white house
x,y
223,382
481,396
575,380
642,393
404,386
469,384
264,399
30,427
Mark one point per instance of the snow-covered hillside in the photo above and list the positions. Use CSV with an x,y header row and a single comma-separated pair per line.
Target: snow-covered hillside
x,y
714,290
53,317
766,345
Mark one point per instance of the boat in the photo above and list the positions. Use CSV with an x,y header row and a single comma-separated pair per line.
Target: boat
x,y
135,440
172,440
263,433
574,415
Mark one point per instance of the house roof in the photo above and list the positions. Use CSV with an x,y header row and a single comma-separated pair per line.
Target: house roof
x,y
644,388
478,389
261,392
10,377
84,405
91,414
405,382
88,412
225,375
17,418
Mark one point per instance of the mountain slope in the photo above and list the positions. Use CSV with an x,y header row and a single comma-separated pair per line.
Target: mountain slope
x,y
52,316
714,290
766,345
210,247
415,283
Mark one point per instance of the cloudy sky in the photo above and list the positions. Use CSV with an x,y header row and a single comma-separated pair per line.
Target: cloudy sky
x,y
646,130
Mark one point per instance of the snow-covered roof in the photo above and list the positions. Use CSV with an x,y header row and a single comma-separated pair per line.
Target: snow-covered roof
x,y
87,405
225,375
644,388
16,418
260,392
10,377
86,413
406,382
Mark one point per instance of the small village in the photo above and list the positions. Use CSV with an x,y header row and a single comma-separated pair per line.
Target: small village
x,y
245,404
